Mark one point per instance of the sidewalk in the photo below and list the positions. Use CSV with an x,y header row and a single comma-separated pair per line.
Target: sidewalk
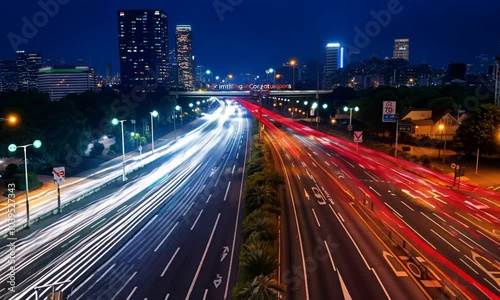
x,y
488,175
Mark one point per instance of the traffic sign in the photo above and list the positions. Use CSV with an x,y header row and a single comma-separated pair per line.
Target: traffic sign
x,y
404,127
59,174
349,127
389,111
140,148
358,136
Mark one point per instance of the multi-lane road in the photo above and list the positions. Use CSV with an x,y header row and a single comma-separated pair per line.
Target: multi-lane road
x,y
455,231
170,232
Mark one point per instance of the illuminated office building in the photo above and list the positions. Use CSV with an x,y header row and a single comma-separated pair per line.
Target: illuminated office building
x,y
402,49
185,58
143,46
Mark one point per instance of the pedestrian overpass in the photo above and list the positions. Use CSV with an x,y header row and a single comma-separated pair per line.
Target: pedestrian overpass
x,y
249,93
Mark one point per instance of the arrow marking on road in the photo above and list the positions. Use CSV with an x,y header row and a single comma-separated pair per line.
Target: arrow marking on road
x,y
218,281
224,253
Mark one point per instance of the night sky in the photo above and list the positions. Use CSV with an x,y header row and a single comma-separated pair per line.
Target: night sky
x,y
257,34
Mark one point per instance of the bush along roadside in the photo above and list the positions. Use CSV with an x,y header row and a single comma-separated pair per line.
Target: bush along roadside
x,y
258,256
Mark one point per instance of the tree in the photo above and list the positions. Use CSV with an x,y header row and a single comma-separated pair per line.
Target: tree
x,y
441,106
258,258
480,130
262,287
11,169
261,194
262,225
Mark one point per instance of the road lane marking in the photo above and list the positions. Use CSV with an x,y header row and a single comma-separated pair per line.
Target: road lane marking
x,y
205,295
416,232
232,172
341,217
345,291
468,238
437,216
375,191
469,266
444,229
330,256
202,258
316,217
386,254
398,214
306,285
346,162
409,207
170,262
132,293
486,279
70,241
303,164
237,155
187,209
487,237
381,284
465,243
168,234
167,296
445,240
227,190
122,208
372,177
298,176
100,221
126,283
196,221
352,240
361,166
208,199
327,163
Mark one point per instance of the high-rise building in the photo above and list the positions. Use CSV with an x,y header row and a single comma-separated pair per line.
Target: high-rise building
x,y
27,65
200,74
185,59
61,81
402,49
334,61
8,76
143,43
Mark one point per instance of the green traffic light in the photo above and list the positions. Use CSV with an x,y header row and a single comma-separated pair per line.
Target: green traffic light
x,y
12,147
115,121
37,144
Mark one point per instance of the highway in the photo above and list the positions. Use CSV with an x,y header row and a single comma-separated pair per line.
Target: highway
x,y
175,224
454,231
326,251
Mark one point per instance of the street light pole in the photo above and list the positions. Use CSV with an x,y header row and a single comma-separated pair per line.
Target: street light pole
x,y
397,135
27,197
12,148
115,121
153,114
356,109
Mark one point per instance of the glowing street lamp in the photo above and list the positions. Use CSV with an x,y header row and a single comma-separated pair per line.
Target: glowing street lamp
x,y
9,119
115,121
350,109
177,108
13,147
293,63
153,114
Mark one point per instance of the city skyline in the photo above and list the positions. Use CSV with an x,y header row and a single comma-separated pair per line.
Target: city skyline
x,y
298,31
